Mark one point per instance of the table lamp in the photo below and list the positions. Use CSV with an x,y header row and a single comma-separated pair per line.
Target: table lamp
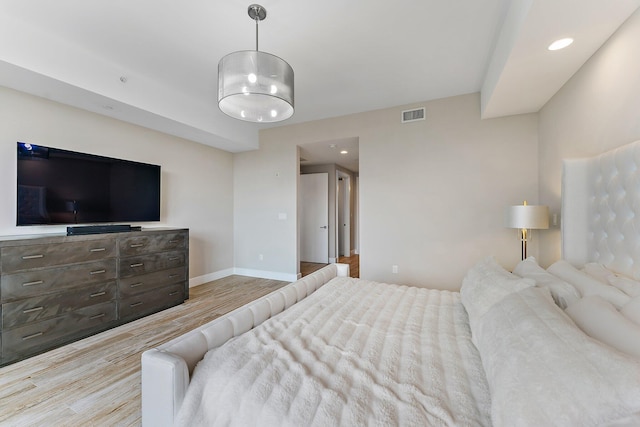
x,y
527,217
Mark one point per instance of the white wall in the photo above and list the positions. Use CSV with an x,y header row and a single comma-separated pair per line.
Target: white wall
x,y
197,187
598,109
265,188
432,193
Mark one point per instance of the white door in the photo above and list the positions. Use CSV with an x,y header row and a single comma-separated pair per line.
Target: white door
x,y
314,222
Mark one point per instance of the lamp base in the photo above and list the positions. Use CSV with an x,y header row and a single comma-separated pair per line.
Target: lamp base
x,y
523,238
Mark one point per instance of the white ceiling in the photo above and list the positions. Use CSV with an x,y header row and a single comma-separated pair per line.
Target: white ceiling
x,y
344,152
154,62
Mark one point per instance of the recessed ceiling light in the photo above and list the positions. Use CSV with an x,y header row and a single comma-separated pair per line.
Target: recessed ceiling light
x,y
560,44
344,152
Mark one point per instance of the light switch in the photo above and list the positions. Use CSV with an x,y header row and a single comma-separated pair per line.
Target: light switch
x,y
282,215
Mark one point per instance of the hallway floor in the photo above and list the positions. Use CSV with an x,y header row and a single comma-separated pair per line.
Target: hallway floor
x,y
307,268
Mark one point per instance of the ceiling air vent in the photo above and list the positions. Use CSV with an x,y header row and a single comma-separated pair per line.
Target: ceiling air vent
x,y
413,115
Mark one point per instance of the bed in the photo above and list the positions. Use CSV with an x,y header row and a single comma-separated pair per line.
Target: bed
x,y
536,346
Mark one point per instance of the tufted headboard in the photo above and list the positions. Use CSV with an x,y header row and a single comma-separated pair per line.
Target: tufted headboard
x,y
601,210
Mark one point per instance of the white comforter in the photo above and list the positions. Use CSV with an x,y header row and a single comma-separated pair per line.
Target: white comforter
x,y
353,353
541,368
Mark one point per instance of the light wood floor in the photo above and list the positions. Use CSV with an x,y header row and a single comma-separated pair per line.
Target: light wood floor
x,y
307,268
354,264
96,381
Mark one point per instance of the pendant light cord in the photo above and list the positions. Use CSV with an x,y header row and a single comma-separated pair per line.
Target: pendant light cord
x,y
257,19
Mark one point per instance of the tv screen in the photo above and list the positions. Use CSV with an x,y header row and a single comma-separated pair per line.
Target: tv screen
x,y
65,187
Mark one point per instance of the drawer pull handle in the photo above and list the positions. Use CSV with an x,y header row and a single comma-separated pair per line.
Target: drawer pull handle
x,y
97,272
28,337
32,310
137,245
174,258
37,282
139,264
173,241
135,285
173,293
97,294
98,249
97,316
135,304
171,276
33,256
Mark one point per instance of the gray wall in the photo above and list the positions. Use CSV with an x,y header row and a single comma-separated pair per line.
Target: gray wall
x,y
432,193
598,109
197,188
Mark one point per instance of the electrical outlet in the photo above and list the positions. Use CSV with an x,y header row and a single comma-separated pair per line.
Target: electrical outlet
x,y
394,269
261,257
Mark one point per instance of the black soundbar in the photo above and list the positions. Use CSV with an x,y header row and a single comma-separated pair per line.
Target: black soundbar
x,y
99,229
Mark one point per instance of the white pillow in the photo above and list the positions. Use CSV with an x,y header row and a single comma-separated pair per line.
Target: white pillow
x,y
631,310
598,271
563,293
485,284
542,370
588,285
600,320
626,285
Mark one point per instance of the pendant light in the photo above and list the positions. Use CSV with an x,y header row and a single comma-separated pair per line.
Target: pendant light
x,y
255,86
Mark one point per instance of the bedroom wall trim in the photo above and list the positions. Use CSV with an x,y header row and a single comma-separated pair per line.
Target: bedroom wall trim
x,y
210,277
259,274
262,274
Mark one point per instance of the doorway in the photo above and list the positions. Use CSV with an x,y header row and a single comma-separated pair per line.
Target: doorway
x,y
339,159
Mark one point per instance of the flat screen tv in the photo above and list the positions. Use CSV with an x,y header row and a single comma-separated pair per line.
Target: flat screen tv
x,y
65,187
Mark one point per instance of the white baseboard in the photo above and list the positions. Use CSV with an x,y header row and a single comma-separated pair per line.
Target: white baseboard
x,y
261,274
197,281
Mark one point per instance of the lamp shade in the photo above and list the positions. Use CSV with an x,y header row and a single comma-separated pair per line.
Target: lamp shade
x,y
527,216
255,86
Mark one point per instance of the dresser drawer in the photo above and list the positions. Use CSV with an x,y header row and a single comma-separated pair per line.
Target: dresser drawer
x,y
43,307
18,258
138,284
149,302
29,339
141,244
38,282
55,289
143,264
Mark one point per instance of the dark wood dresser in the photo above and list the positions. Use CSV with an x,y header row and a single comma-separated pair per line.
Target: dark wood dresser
x,y
55,289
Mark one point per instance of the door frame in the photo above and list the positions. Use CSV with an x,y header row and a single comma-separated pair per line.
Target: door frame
x,y
343,200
